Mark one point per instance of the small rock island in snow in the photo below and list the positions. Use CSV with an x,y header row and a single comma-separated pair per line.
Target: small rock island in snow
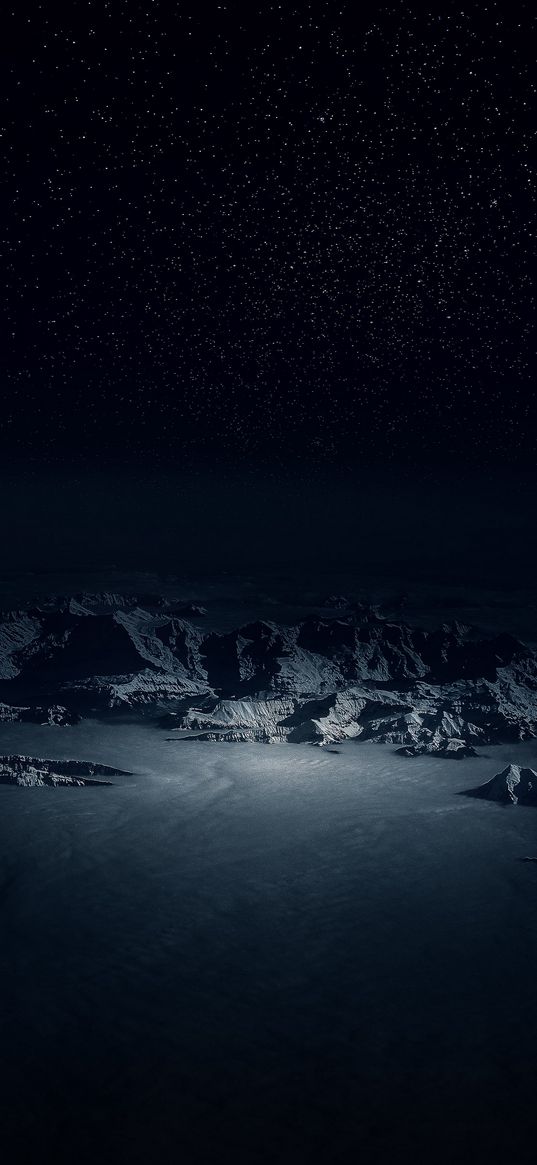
x,y
33,771
513,786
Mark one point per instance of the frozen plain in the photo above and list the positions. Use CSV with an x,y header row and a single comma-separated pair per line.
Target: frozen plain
x,y
279,952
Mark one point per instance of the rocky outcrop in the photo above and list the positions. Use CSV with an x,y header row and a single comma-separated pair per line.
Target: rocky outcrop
x,y
143,688
101,602
56,714
336,603
417,720
31,771
513,786
74,659
450,750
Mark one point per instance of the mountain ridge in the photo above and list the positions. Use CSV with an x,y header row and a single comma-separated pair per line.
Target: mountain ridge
x,y
356,675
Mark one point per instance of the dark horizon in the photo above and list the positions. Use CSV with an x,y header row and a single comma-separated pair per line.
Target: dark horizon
x,y
477,528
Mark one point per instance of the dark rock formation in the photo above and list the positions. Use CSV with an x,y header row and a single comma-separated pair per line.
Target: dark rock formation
x,y
513,786
452,750
322,680
32,771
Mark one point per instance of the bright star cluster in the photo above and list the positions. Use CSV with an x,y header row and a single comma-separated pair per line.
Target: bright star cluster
x,y
273,231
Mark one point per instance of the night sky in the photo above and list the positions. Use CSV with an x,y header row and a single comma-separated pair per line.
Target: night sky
x,y
269,234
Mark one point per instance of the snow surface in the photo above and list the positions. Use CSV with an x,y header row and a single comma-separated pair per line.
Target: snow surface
x,y
239,939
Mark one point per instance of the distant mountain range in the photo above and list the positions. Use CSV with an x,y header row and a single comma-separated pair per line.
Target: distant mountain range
x,y
322,680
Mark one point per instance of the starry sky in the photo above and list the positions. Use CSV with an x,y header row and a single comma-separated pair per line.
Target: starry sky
x,y
269,233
